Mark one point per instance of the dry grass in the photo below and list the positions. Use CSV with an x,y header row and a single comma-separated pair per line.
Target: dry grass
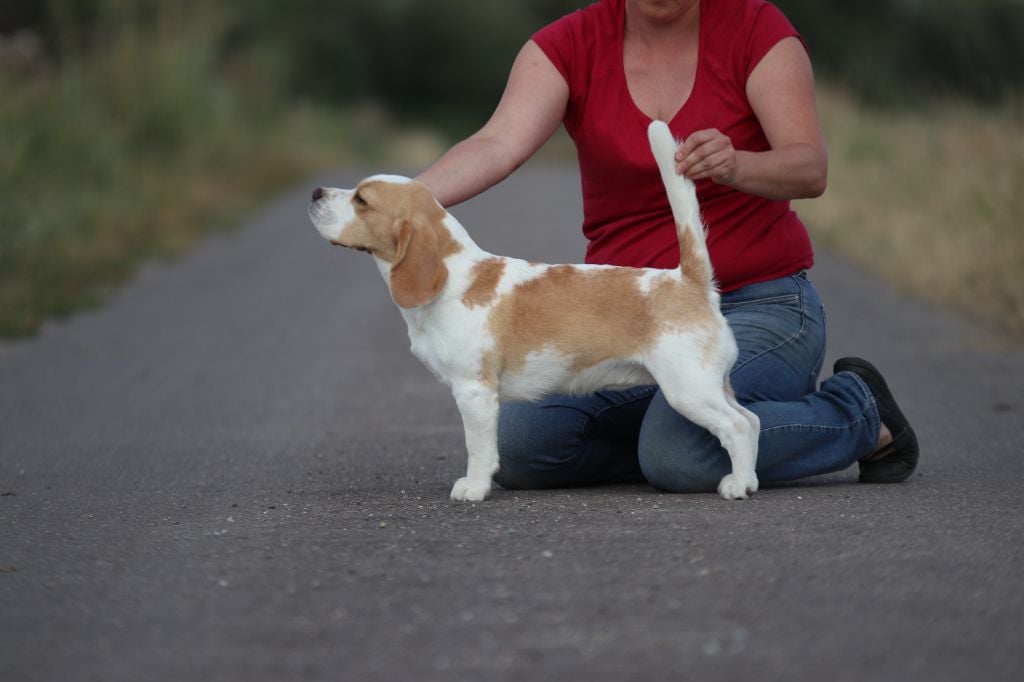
x,y
932,201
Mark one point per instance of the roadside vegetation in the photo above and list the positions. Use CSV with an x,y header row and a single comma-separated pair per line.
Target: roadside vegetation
x,y
128,150
129,128
932,200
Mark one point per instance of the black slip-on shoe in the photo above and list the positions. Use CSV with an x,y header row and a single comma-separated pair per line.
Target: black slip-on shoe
x,y
898,460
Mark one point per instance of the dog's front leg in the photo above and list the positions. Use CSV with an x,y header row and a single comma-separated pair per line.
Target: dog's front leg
x,y
479,407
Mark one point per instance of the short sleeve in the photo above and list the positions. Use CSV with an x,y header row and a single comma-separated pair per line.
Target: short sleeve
x,y
555,40
769,27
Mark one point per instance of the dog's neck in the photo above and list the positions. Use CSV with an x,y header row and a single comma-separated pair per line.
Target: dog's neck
x,y
470,250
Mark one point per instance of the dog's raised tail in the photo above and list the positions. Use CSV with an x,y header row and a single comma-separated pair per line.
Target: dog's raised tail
x,y
682,197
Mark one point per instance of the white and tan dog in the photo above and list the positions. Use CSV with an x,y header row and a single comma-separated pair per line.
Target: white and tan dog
x,y
496,329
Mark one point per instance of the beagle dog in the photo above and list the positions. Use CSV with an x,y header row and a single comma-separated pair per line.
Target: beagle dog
x,y
496,329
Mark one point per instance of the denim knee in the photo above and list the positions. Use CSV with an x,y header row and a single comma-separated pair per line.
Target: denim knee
x,y
678,456
529,449
513,453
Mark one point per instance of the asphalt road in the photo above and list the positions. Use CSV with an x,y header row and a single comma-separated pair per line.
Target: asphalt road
x,y
236,471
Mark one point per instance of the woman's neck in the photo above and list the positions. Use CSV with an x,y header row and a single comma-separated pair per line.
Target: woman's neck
x,y
652,21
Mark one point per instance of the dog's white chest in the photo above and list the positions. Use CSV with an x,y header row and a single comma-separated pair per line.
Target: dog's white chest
x,y
435,347
448,338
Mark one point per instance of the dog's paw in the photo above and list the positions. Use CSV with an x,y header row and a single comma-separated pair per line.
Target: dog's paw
x,y
735,487
466,490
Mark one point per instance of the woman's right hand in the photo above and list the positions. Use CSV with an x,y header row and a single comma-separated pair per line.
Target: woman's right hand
x,y
707,154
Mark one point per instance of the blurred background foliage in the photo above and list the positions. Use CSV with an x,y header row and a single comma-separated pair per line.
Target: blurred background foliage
x,y
904,52
128,127
449,58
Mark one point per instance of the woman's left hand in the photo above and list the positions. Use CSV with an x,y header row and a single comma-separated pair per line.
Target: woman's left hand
x,y
707,154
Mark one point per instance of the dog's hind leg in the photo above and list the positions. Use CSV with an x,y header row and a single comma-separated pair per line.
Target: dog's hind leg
x,y
699,393
733,431
478,405
755,422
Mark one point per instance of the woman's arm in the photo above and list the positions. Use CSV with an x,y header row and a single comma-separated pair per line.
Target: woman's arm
x,y
529,112
781,92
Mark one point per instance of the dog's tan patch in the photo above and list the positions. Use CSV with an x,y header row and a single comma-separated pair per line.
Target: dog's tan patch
x,y
681,303
691,260
685,305
591,316
449,247
485,277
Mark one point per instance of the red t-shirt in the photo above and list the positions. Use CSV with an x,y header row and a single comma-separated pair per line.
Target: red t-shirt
x,y
627,218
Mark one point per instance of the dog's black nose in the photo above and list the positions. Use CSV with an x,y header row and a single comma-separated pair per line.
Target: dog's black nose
x,y
318,193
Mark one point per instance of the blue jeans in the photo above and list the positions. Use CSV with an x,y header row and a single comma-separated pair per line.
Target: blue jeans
x,y
634,435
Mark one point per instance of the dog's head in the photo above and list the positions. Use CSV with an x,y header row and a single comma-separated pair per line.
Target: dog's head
x,y
398,221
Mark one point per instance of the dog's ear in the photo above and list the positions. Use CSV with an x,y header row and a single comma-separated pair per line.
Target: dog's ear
x,y
418,272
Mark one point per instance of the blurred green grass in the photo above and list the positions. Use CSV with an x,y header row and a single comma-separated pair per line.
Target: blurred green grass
x,y
133,148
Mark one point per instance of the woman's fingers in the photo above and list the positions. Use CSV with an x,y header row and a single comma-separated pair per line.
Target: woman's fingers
x,y
707,154
720,167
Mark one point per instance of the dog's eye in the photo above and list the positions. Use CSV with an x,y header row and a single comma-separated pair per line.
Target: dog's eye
x,y
360,201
